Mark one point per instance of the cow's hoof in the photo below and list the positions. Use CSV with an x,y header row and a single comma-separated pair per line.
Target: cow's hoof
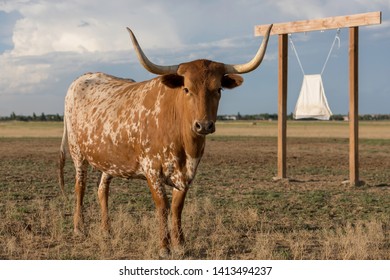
x,y
163,254
78,233
178,252
106,233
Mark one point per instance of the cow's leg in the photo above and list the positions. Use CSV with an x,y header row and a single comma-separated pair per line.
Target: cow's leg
x,y
162,207
178,198
81,181
103,191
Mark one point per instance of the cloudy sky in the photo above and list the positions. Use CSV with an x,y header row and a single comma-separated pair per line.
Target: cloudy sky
x,y
45,44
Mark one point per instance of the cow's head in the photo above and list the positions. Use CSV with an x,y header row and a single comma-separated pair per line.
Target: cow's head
x,y
201,83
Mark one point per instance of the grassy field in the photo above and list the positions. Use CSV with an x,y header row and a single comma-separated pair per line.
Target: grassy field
x,y
310,129
316,129
31,129
234,210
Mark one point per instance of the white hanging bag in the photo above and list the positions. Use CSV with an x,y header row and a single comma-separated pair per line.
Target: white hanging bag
x,y
312,102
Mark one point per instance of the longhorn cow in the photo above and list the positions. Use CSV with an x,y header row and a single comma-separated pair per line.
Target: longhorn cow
x,y
153,130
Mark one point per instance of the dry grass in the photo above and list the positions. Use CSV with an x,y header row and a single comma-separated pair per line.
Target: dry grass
x,y
244,234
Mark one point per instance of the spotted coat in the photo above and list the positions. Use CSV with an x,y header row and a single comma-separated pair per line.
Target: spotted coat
x,y
126,129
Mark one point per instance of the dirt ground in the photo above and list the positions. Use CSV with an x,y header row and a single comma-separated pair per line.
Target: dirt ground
x,y
234,209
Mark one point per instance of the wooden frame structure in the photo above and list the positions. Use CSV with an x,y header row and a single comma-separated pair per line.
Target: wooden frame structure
x,y
283,29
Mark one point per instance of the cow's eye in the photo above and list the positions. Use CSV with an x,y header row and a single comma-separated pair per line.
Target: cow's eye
x,y
186,90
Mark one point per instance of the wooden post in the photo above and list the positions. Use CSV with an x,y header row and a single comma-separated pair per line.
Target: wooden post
x,y
354,106
282,29
282,106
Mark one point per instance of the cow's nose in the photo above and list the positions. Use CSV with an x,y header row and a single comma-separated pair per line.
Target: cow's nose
x,y
204,127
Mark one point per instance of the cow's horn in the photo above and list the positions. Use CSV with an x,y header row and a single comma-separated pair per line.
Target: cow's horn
x,y
254,63
150,66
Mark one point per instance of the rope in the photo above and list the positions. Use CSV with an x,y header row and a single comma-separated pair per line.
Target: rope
x,y
336,38
296,54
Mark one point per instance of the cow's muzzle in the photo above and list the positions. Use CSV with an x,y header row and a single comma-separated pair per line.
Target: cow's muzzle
x,y
204,127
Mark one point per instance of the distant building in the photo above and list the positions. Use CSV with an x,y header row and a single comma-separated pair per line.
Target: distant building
x,y
229,118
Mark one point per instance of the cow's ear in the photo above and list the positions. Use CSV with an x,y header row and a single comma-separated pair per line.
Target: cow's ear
x,y
172,80
231,81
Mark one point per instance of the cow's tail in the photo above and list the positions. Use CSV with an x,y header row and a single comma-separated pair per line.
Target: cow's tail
x,y
62,157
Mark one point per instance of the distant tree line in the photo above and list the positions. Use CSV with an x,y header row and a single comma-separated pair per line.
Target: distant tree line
x,y
255,117
274,117
34,118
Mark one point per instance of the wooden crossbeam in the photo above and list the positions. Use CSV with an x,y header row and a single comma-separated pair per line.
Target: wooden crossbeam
x,y
321,24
